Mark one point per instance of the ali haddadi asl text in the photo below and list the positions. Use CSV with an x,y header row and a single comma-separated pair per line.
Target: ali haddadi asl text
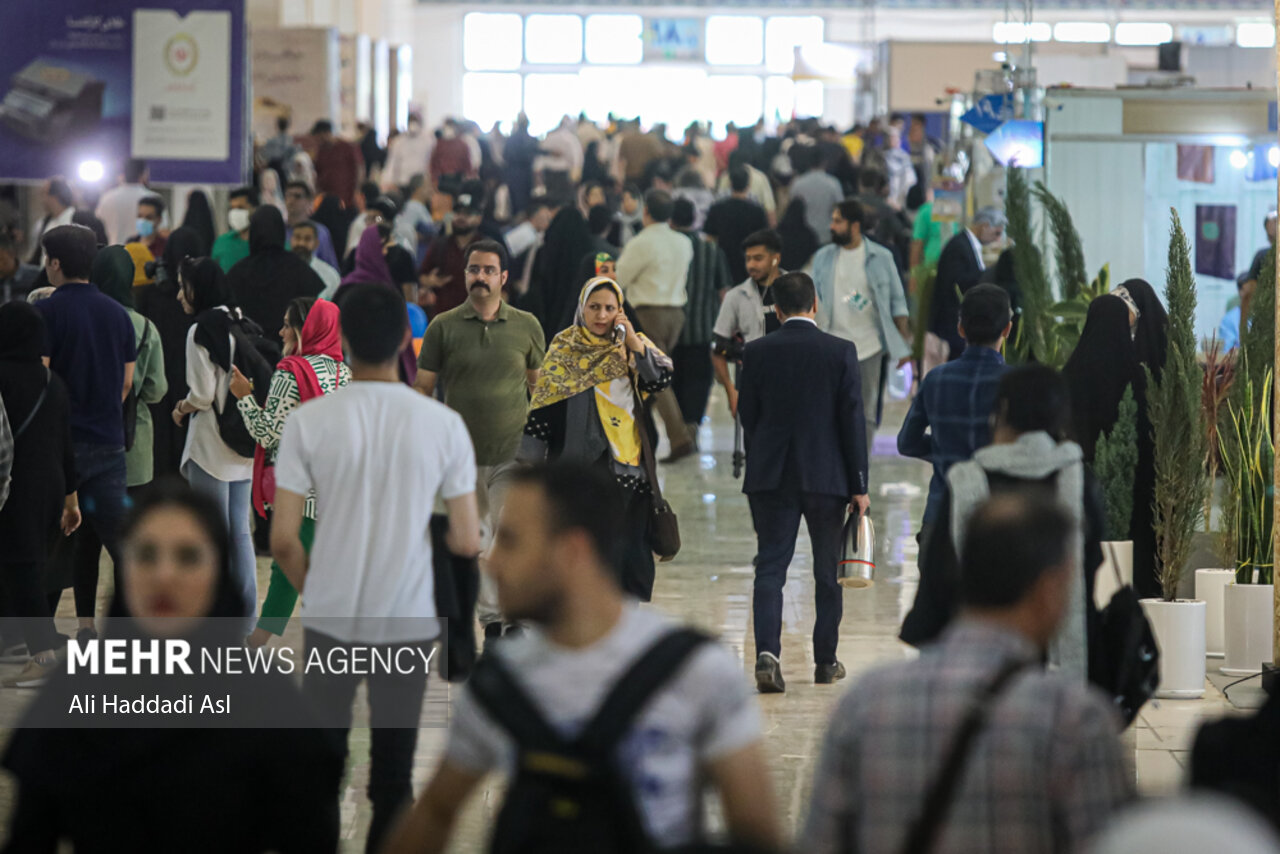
x,y
114,704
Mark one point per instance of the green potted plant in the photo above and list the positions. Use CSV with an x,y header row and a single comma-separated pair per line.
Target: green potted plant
x,y
1219,380
1178,433
1115,461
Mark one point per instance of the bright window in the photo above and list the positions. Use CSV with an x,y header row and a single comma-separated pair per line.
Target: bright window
x,y
548,97
737,98
615,39
491,41
1256,34
1082,31
1016,32
607,90
809,98
1136,33
783,34
553,39
735,40
489,98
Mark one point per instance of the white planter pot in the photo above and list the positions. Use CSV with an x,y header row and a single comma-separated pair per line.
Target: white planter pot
x,y
1104,580
1210,584
1179,631
1248,611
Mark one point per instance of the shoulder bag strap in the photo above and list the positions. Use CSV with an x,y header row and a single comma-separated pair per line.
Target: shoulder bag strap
x,y
633,690
923,834
44,392
646,446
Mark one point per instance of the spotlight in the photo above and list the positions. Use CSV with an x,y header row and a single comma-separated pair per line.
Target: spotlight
x,y
91,171
1239,159
1273,156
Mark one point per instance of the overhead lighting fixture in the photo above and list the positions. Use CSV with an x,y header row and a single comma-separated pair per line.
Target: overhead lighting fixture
x,y
1273,156
1015,32
1256,34
1093,32
1238,159
1139,34
91,171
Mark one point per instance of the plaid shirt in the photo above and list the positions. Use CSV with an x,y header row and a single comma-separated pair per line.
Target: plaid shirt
x,y
1044,774
951,416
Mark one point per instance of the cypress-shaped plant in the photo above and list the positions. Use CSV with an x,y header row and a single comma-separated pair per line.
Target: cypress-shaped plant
x,y
1028,269
1177,423
1068,249
1115,461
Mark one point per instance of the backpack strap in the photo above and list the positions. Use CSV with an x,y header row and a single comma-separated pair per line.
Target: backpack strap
x,y
44,392
633,690
500,694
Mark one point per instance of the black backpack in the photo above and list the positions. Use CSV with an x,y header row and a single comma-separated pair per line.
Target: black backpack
x,y
256,357
569,796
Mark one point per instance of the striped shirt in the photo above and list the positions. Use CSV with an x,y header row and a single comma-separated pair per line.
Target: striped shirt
x,y
1044,775
951,416
708,278
266,423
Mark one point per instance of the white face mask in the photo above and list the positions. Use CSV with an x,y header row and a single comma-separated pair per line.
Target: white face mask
x,y
238,219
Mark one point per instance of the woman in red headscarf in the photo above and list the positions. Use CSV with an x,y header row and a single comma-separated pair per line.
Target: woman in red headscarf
x,y
312,366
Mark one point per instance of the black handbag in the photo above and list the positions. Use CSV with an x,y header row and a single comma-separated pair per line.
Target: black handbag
x,y
664,527
1123,658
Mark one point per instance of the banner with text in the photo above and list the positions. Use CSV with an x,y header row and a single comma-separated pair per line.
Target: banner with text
x,y
99,81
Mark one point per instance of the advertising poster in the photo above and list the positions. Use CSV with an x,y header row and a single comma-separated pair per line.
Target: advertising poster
x,y
105,80
1216,241
295,73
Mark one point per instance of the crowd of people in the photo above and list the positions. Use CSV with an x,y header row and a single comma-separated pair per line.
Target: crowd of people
x,y
499,325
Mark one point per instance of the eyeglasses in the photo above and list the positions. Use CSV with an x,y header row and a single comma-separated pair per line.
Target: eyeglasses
x,y
487,272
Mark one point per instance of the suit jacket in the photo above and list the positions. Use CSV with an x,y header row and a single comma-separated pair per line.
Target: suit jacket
x,y
800,401
958,270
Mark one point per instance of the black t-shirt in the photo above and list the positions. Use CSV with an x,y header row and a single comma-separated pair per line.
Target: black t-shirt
x,y
730,221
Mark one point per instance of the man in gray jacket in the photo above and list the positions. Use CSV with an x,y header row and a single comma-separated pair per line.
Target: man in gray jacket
x,y
860,299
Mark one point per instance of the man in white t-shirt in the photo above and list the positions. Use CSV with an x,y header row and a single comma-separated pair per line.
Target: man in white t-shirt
x,y
860,299
377,454
118,207
700,725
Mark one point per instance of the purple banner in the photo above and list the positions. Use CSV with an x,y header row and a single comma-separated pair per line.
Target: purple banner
x,y
1216,241
89,83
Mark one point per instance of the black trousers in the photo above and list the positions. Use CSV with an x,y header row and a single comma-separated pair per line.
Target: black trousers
x,y
637,555
394,702
24,606
777,517
692,380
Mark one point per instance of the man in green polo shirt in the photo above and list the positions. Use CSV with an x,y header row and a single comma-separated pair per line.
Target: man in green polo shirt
x,y
486,355
233,247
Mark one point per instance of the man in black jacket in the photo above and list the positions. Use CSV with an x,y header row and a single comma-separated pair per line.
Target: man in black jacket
x,y
960,267
800,401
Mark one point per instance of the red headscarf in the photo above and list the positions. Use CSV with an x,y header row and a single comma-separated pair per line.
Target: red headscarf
x,y
320,336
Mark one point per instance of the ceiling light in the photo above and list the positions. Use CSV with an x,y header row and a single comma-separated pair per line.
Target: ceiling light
x,y
1238,159
91,171
1137,34
1256,34
1015,32
1082,31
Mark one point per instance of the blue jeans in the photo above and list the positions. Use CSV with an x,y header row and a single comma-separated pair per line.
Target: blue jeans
x,y
233,497
100,470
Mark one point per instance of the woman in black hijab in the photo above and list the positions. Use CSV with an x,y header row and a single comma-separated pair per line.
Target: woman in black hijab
x,y
42,490
553,297
199,781
158,303
1149,323
798,240
264,284
333,216
1102,366
199,216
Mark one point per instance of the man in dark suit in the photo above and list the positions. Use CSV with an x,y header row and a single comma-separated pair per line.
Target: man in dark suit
x,y
960,267
800,400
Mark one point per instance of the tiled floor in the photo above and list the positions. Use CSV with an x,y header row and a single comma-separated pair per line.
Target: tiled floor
x,y
709,585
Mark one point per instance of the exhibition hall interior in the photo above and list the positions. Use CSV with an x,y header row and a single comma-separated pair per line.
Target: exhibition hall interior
x,y
634,426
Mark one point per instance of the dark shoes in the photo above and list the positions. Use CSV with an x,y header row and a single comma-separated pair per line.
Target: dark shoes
x,y
769,674
825,674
